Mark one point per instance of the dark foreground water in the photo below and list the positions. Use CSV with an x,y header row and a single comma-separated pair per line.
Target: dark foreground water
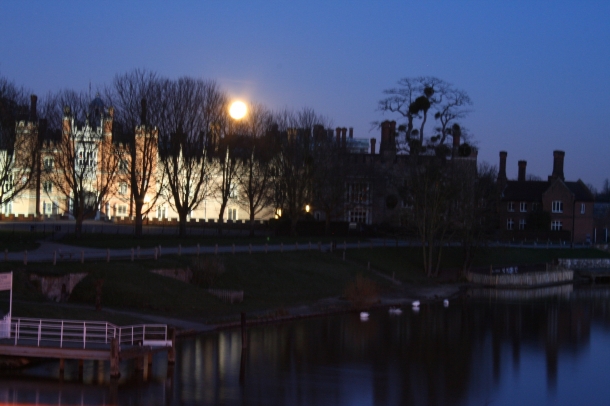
x,y
545,347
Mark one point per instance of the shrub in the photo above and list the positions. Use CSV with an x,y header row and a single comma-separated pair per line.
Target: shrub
x,y
362,292
207,270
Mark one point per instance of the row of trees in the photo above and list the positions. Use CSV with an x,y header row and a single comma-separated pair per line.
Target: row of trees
x,y
170,140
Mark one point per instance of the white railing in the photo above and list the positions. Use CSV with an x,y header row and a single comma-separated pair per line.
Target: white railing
x,y
49,332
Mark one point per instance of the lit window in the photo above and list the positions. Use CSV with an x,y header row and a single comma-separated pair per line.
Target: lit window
x,y
522,224
556,225
357,216
47,186
523,207
123,188
510,224
232,214
510,207
48,163
121,210
557,206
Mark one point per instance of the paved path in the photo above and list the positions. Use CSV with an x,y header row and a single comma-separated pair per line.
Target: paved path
x,y
48,250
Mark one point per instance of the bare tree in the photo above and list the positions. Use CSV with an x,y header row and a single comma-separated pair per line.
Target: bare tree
x,y
474,206
429,193
294,163
137,98
330,176
81,165
19,127
226,167
254,177
193,110
414,97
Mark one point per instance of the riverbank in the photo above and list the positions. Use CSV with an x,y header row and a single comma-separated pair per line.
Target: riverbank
x,y
277,285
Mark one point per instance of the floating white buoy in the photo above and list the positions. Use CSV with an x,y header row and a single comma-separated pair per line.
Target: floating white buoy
x,y
415,303
415,309
395,310
364,316
446,303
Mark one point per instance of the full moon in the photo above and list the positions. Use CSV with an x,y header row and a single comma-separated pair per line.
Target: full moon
x,y
238,110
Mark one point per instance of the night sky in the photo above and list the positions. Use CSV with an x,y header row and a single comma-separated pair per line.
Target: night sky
x,y
538,72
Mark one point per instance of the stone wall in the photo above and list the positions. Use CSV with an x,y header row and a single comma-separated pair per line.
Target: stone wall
x,y
58,288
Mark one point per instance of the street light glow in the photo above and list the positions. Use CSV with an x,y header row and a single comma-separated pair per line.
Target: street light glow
x,y
238,110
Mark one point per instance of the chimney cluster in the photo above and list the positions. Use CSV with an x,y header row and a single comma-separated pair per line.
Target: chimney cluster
x,y
388,135
522,166
502,171
558,157
557,165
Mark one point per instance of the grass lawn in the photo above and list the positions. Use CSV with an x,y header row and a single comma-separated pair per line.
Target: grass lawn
x,y
270,282
19,240
407,262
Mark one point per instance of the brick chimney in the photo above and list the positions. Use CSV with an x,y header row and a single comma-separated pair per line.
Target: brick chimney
x,y
522,166
373,142
343,137
558,165
33,100
351,132
338,130
502,170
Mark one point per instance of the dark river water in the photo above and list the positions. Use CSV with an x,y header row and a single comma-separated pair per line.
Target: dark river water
x,y
535,347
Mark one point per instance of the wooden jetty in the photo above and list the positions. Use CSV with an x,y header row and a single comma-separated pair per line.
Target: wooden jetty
x,y
87,340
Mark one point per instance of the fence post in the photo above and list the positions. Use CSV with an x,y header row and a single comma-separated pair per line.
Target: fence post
x,y
114,358
171,351
5,255
54,257
138,252
281,247
61,335
309,245
82,256
233,245
132,255
159,250
296,246
25,257
266,248
107,254
155,253
197,249
179,250
216,249
249,248
244,332
84,334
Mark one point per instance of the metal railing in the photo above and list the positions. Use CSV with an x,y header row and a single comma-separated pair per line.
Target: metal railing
x,y
49,332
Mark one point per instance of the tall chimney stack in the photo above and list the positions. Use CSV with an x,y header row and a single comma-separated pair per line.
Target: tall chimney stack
x,y
338,130
351,132
502,170
343,137
522,166
558,165
373,141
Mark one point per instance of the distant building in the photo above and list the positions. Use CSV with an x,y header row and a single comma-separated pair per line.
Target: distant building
x,y
554,209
